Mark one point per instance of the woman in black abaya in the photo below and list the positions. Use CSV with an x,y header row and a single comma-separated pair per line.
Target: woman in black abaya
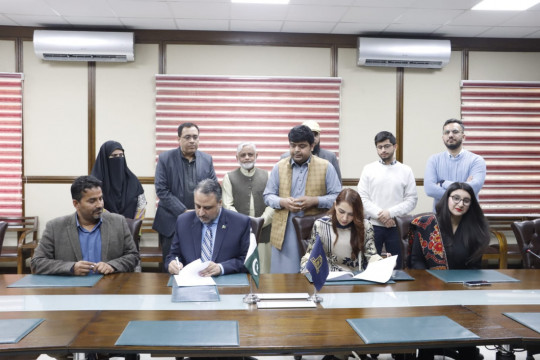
x,y
122,191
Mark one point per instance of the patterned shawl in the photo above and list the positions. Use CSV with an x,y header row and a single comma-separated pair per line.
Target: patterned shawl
x,y
425,229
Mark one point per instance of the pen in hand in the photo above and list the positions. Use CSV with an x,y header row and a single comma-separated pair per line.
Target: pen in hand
x,y
178,263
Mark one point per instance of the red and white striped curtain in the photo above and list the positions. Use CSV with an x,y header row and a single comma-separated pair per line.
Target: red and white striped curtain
x,y
10,144
232,110
502,123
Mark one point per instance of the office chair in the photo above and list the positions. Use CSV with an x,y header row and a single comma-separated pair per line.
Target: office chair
x,y
302,227
528,238
134,226
3,228
256,227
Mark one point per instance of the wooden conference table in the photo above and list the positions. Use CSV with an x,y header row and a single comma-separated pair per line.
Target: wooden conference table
x,y
321,330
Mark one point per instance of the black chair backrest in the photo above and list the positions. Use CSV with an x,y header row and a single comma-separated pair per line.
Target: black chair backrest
x,y
256,227
134,226
3,228
302,227
528,238
402,224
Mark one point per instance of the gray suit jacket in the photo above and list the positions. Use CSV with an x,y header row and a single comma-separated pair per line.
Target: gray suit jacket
x,y
170,186
59,248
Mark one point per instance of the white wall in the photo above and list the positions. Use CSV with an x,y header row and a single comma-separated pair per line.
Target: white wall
x,y
368,96
55,116
247,60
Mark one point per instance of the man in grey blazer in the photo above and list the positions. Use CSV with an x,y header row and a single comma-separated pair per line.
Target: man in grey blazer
x,y
178,171
88,241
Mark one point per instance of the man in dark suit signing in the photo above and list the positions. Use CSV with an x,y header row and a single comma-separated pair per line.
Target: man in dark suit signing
x,y
210,233
87,241
177,173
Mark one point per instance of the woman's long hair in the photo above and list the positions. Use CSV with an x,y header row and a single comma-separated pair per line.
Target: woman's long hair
x,y
474,226
357,227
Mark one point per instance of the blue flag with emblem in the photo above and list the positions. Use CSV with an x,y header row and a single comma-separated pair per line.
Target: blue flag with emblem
x,y
317,264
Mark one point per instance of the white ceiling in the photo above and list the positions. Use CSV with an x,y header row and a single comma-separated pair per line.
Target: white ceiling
x,y
439,18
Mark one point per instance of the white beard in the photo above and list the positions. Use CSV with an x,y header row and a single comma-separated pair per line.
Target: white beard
x,y
247,166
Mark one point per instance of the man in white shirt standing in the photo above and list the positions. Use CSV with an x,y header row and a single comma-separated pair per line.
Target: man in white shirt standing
x,y
388,189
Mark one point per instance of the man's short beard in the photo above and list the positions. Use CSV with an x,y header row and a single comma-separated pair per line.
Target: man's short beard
x,y
247,166
453,146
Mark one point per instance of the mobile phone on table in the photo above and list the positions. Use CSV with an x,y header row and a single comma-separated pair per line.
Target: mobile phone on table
x,y
477,283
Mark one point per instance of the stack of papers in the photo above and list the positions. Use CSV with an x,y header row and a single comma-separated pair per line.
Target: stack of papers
x,y
189,275
377,271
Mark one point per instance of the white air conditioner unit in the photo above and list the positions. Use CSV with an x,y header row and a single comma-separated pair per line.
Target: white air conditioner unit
x,y
84,45
414,53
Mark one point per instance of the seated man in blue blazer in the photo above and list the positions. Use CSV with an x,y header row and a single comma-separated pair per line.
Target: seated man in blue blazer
x,y
210,233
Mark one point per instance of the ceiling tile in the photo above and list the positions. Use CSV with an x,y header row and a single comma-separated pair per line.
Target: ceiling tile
x,y
151,24
384,3
372,15
7,21
316,13
255,12
535,35
141,9
524,18
208,25
82,8
200,11
248,25
359,29
307,27
460,31
445,4
427,16
411,28
26,7
482,17
322,2
38,21
92,21
509,32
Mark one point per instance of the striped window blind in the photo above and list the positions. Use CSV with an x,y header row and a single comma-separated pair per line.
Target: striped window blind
x,y
502,122
231,110
10,144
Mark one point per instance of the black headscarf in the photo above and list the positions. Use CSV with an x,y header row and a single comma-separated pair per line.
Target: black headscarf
x,y
121,188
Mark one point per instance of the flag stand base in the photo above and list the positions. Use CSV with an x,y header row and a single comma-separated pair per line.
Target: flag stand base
x,y
316,298
251,298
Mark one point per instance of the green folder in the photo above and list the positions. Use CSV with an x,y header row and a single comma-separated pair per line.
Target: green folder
x,y
180,333
461,276
13,330
33,281
409,329
530,320
239,279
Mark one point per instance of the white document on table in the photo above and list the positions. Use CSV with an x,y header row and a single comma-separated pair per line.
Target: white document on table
x,y
378,271
189,275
